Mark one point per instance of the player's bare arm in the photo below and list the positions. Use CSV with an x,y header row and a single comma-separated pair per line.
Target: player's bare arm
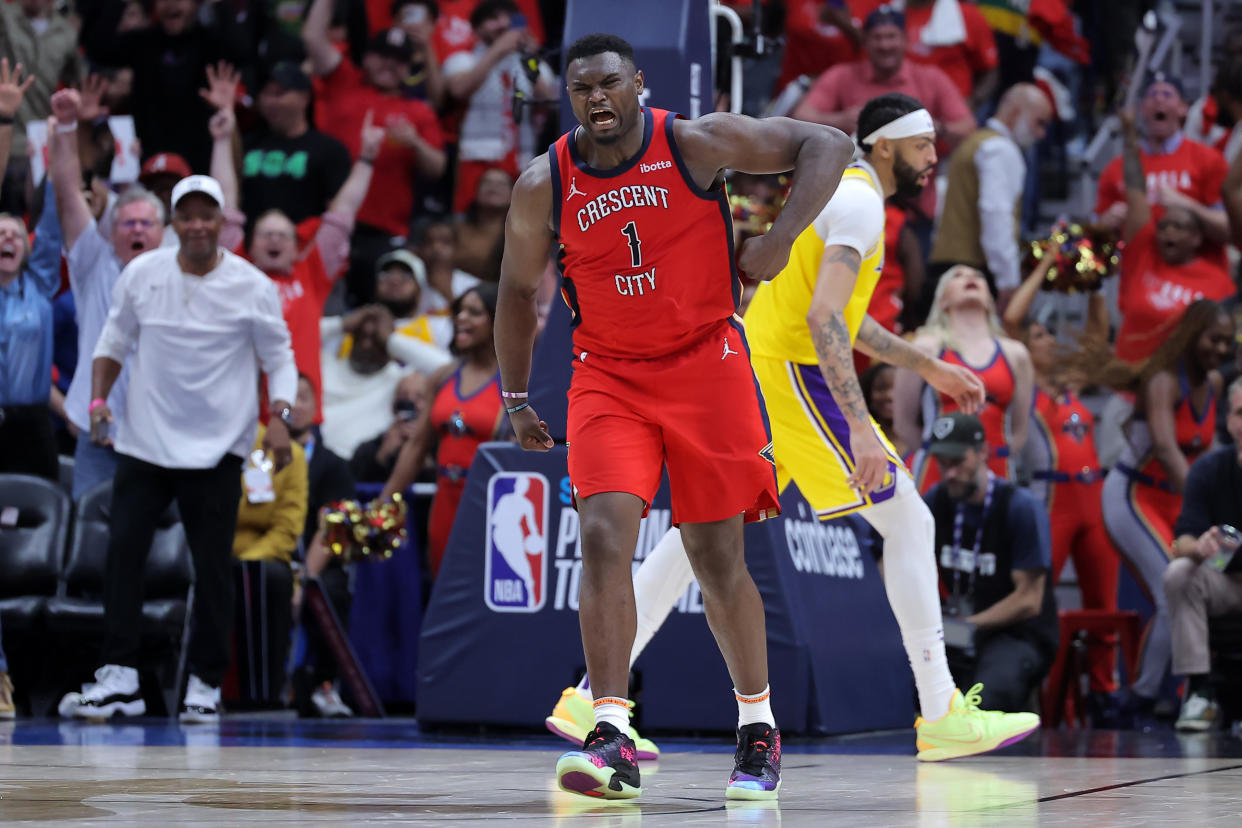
x,y
838,271
1023,391
528,240
819,154
957,381
907,388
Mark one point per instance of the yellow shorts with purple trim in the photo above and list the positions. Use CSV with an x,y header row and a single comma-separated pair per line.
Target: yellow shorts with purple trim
x,y
811,439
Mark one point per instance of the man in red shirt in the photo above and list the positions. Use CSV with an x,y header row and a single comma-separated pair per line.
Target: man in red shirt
x,y
303,260
1178,171
347,94
839,94
1163,268
955,37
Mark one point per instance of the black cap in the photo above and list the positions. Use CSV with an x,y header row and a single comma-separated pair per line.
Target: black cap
x,y
393,43
1164,77
289,76
885,14
953,433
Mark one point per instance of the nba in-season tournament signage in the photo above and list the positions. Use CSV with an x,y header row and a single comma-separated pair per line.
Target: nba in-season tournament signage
x,y
500,637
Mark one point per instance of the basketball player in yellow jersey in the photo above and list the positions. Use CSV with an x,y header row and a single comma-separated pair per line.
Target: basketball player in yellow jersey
x,y
802,328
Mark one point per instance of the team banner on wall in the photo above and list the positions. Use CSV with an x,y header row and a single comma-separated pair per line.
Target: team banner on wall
x,y
500,637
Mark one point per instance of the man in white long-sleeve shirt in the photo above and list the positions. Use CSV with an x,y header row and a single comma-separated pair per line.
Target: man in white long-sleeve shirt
x,y
359,381
197,324
979,220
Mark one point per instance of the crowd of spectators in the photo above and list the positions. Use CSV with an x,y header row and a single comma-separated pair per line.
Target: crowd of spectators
x,y
361,158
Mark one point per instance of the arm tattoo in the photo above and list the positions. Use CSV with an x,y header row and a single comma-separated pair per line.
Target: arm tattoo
x,y
835,352
847,257
890,348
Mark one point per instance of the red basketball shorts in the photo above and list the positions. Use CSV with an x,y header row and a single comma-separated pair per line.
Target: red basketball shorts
x,y
697,412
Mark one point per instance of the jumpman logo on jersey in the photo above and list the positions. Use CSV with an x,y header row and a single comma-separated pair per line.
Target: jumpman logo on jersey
x,y
573,189
727,349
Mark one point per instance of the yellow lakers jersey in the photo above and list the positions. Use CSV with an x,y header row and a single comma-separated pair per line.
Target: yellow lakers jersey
x,y
776,319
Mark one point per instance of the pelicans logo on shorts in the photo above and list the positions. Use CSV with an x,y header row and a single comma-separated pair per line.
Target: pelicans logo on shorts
x,y
767,454
516,558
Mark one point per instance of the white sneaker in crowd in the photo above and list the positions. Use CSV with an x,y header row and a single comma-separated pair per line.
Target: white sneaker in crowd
x,y
1198,714
202,702
328,702
115,692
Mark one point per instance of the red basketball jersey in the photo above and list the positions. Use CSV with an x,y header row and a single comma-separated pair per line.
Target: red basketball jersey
x,y
464,423
1194,430
646,254
1066,428
998,386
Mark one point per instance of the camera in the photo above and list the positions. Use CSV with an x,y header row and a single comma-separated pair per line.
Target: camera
x,y
404,411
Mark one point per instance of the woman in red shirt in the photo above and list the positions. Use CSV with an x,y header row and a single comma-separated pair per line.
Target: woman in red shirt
x,y
467,411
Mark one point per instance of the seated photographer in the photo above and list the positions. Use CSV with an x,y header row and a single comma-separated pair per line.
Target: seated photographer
x,y
1000,616
1200,584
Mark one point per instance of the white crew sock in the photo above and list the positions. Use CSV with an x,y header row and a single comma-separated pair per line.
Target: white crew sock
x,y
756,709
614,711
659,583
912,584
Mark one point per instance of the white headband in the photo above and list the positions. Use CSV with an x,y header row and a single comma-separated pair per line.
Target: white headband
x,y
914,123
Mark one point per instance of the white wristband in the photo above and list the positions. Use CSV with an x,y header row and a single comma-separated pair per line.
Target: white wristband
x,y
63,129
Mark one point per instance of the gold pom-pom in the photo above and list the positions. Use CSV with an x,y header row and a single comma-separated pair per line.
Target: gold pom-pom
x,y
356,532
1083,255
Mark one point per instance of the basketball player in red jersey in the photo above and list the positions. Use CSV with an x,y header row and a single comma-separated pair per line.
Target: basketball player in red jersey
x,y
634,197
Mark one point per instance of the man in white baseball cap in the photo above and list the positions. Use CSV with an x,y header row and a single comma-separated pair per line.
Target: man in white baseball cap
x,y
197,325
198,217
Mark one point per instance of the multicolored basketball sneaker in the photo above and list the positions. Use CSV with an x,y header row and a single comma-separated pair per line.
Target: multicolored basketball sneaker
x,y
968,731
606,767
757,763
574,715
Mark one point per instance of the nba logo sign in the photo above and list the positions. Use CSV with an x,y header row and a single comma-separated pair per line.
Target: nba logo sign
x,y
516,562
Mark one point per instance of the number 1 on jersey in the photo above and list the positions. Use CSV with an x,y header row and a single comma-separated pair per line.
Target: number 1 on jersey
x,y
636,246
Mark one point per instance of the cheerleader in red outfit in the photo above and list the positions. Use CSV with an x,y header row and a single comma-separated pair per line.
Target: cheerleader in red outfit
x,y
467,412
1064,465
1173,423
963,329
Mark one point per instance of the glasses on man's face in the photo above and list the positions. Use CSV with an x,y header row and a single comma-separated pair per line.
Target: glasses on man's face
x,y
137,224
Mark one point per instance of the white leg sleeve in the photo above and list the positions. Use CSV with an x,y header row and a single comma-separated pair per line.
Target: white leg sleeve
x,y
659,583
911,580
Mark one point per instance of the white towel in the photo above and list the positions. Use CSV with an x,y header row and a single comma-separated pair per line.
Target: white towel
x,y
946,26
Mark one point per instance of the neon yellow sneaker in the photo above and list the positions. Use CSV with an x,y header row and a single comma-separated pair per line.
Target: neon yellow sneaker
x,y
968,731
574,716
